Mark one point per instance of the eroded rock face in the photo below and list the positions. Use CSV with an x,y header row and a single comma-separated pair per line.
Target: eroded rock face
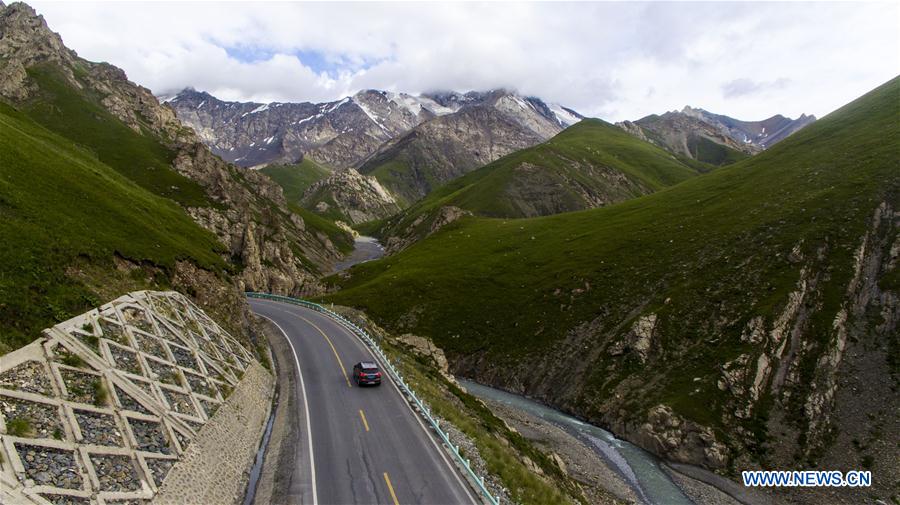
x,y
424,347
357,197
25,41
264,239
278,255
638,339
675,438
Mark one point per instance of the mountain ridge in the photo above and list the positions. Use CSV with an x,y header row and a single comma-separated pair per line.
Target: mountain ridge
x,y
779,127
697,134
340,133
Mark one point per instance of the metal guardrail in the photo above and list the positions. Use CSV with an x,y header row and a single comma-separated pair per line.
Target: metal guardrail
x,y
398,379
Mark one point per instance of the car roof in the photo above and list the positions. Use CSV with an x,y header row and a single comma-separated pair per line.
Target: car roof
x,y
367,364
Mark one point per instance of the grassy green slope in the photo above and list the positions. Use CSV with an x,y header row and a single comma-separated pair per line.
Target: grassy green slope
x,y
296,179
590,158
60,205
392,175
716,247
564,163
409,162
340,238
707,151
79,116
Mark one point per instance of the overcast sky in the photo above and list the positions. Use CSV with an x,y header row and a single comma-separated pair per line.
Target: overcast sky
x,y
610,60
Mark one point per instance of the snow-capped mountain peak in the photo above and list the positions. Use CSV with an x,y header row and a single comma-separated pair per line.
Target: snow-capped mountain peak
x,y
344,132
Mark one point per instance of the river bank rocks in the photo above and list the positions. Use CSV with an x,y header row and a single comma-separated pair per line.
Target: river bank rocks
x,y
105,405
601,483
675,438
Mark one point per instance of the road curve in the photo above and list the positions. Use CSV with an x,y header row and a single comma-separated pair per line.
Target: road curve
x,y
367,444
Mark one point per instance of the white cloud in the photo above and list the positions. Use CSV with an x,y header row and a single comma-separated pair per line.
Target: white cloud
x,y
744,86
612,60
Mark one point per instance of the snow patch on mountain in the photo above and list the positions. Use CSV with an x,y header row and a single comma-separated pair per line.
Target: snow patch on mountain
x,y
563,115
328,108
369,112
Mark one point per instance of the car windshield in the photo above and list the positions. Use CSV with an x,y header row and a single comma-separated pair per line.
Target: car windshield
x,y
370,370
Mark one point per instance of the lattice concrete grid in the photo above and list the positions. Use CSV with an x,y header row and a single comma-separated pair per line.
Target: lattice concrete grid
x,y
101,407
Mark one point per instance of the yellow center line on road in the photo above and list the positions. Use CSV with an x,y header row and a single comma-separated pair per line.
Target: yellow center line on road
x,y
391,489
338,358
363,416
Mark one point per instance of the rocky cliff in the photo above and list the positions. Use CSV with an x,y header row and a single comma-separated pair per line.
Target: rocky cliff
x,y
272,248
348,196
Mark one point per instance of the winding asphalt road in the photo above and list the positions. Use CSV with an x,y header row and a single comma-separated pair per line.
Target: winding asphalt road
x,y
362,445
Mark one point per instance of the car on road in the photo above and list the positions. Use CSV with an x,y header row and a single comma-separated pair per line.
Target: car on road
x,y
366,373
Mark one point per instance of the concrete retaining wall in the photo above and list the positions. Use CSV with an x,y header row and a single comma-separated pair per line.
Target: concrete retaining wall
x,y
212,470
105,405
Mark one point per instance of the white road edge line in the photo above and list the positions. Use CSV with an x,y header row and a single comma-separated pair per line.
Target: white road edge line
x,y
454,469
312,460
